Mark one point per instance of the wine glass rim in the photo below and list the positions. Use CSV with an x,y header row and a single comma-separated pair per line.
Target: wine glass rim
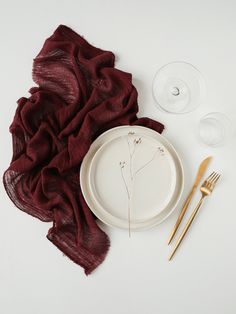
x,y
178,62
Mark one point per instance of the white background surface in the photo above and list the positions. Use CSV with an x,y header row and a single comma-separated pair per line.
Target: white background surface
x,y
136,276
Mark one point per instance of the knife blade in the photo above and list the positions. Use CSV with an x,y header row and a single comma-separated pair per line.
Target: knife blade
x,y
200,173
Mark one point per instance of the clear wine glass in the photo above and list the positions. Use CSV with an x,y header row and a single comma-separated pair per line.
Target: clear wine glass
x,y
178,87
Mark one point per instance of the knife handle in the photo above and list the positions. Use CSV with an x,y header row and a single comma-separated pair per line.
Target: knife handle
x,y
181,214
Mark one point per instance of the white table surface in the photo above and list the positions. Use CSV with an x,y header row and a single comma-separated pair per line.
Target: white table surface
x,y
136,276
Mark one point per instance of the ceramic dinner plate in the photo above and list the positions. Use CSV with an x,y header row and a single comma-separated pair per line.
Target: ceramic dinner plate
x,y
131,173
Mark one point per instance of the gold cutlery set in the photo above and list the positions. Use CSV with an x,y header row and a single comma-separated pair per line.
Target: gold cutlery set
x,y
206,189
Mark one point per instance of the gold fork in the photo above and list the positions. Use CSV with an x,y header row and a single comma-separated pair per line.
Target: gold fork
x,y
206,189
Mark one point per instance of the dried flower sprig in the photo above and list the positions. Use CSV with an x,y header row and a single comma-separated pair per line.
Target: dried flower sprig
x,y
122,166
132,146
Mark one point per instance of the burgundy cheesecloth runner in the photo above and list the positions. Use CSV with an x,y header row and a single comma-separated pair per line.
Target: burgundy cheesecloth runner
x,y
79,95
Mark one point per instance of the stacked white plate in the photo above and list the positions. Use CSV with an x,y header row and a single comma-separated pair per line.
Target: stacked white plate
x,y
131,175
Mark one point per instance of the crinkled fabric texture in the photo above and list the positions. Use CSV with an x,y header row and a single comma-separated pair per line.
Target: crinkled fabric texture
x,y
79,96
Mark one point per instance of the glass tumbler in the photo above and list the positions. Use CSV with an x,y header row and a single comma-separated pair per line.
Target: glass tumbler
x,y
214,129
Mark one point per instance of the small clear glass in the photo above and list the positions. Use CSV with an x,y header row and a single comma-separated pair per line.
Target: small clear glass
x,y
178,87
214,129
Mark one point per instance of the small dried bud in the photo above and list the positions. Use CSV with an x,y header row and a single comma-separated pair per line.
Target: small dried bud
x,y
137,140
122,164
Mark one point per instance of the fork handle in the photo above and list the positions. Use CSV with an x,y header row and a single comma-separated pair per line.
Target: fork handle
x,y
187,226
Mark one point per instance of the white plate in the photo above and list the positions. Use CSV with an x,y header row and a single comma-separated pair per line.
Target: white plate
x,y
122,167
131,170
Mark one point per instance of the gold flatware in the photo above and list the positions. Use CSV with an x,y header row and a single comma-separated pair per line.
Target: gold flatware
x,y
200,173
206,189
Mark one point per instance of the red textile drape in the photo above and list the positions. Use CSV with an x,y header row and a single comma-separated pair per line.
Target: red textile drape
x,y
79,95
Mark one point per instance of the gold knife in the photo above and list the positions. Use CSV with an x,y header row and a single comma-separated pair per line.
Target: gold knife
x,y
200,173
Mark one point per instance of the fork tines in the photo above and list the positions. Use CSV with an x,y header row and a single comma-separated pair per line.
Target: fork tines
x,y
213,178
